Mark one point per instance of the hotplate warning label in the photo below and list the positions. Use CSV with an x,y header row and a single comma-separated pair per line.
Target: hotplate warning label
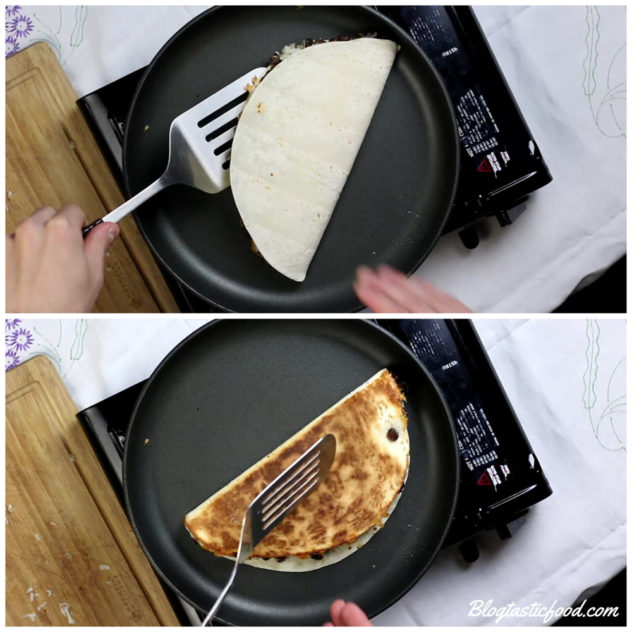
x,y
491,163
492,476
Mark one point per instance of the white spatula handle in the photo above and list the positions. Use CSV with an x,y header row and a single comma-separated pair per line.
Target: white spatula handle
x,y
130,205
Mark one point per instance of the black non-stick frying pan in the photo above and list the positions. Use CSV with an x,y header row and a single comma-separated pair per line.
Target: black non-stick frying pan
x,y
234,391
391,210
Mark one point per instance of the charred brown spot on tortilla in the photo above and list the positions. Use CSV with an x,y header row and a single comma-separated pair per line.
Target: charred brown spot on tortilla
x,y
402,385
364,475
392,434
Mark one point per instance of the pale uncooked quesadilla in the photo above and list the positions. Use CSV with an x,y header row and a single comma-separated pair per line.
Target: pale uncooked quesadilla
x,y
296,141
365,479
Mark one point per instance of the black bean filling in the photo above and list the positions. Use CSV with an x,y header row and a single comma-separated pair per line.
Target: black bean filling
x,y
275,59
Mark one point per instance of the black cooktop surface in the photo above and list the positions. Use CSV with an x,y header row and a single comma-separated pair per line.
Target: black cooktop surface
x,y
501,164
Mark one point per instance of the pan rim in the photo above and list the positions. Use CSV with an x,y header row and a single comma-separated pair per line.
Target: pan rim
x,y
371,326
453,148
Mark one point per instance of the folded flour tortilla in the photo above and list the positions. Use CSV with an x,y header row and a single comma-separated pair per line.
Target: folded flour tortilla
x,y
366,477
297,140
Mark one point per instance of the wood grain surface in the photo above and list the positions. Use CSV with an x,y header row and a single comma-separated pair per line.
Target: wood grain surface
x,y
71,554
52,159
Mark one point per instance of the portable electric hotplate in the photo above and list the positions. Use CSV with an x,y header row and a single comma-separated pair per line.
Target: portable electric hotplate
x,y
447,146
229,394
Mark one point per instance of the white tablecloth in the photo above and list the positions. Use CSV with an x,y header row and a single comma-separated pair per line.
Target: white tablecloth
x,y
566,67
566,381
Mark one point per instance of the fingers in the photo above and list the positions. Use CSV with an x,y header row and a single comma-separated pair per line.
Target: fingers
x,y
374,293
31,230
97,243
66,224
42,215
347,614
69,215
388,290
73,214
352,616
334,611
404,291
10,274
49,265
62,225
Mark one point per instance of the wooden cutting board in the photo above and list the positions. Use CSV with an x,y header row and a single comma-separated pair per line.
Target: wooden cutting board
x,y
71,554
52,159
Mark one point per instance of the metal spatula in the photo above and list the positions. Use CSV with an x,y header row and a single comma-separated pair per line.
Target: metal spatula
x,y
277,500
199,146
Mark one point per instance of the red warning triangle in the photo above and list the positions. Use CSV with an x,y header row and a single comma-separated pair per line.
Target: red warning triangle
x,y
484,479
484,166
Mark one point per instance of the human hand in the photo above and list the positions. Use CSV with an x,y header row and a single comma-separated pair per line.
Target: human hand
x,y
50,267
346,614
388,290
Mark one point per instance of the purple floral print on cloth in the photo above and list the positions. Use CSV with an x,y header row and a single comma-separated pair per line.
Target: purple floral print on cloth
x,y
11,10
17,339
11,359
20,25
16,25
20,339
11,46
12,323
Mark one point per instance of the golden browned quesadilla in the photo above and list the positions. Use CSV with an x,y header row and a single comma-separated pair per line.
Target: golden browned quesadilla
x,y
368,472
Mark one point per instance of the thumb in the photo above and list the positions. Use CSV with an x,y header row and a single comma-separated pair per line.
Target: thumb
x,y
97,244
353,616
